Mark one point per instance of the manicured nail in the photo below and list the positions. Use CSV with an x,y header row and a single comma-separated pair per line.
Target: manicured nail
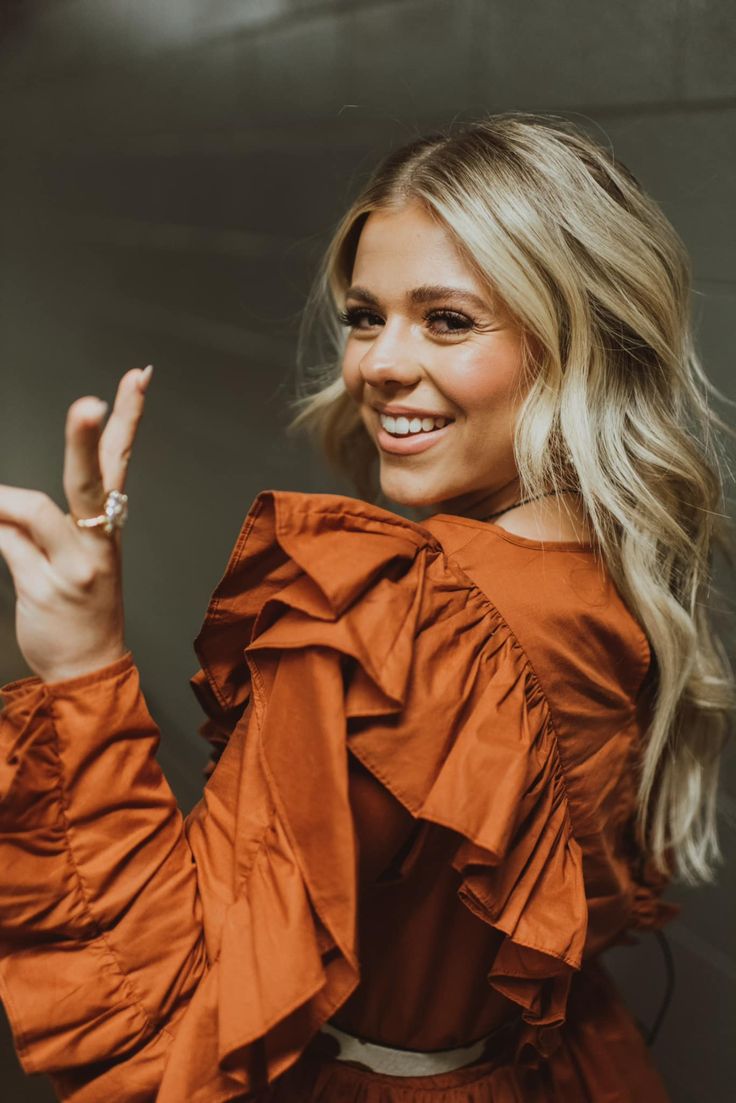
x,y
145,378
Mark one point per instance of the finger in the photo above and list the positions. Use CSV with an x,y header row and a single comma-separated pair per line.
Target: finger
x,y
116,443
37,515
82,475
25,561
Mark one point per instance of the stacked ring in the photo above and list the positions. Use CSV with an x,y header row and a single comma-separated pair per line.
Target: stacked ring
x,y
114,517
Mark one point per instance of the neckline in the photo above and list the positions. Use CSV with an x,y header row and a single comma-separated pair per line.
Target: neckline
x,y
514,537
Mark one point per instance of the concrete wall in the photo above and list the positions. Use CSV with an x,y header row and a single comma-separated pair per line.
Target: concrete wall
x,y
170,173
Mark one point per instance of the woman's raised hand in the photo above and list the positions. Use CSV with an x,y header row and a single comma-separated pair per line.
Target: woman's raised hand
x,y
68,582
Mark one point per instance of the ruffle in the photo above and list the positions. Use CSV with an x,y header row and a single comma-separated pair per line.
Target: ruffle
x,y
218,727
345,626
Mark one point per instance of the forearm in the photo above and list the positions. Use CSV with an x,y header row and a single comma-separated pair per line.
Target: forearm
x,y
101,936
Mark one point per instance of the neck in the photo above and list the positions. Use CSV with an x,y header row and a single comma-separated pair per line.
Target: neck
x,y
480,504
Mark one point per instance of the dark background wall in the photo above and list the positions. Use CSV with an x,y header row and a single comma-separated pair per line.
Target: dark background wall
x,y
170,172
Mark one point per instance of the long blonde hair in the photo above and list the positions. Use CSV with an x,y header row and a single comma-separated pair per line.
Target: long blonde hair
x,y
620,409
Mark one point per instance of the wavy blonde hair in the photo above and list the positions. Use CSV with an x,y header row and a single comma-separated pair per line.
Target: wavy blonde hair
x,y
620,409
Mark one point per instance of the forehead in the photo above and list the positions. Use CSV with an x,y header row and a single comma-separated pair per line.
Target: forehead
x,y
398,247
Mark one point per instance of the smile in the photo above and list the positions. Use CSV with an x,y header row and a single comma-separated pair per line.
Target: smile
x,y
410,443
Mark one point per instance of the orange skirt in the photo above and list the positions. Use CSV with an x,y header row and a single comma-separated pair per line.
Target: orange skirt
x,y
602,1057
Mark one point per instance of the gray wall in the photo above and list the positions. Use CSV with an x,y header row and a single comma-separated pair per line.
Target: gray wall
x,y
170,172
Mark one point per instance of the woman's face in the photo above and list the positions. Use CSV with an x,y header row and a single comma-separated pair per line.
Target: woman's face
x,y
426,337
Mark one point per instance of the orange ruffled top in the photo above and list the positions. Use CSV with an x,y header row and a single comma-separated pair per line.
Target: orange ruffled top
x,y
418,824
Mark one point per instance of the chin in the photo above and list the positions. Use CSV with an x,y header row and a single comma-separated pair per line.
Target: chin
x,y
401,491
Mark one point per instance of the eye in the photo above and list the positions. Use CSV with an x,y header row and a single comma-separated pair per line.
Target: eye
x,y
353,315
451,319
457,323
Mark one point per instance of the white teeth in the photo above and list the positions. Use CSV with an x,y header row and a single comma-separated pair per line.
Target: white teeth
x,y
401,426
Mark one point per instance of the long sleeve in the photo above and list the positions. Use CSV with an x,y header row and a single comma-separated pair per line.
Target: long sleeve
x,y
144,956
101,933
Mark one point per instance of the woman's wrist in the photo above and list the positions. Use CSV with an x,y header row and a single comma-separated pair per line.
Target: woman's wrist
x,y
102,665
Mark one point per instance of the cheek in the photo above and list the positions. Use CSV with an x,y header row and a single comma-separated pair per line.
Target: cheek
x,y
486,380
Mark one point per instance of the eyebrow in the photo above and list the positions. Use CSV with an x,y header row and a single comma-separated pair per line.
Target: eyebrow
x,y
427,293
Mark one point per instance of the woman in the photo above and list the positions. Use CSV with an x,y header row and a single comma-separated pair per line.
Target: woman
x,y
454,758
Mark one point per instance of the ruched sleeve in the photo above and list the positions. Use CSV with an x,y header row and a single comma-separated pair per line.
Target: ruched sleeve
x,y
146,956
101,942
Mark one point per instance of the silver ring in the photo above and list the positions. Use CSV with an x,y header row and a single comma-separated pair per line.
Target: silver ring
x,y
114,517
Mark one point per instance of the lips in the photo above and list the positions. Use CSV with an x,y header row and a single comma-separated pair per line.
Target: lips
x,y
409,445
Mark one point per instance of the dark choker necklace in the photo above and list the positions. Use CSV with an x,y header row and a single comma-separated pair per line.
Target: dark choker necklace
x,y
524,501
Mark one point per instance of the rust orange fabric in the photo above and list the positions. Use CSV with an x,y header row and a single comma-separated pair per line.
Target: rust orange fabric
x,y
418,823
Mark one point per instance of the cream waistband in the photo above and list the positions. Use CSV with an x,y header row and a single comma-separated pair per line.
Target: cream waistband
x,y
403,1062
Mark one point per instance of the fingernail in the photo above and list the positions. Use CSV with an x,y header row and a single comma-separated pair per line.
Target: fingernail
x,y
145,378
102,408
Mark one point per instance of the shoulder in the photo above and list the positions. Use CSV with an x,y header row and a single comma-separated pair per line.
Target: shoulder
x,y
324,554
561,603
323,567
543,519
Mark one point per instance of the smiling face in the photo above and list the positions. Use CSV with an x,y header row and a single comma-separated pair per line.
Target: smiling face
x,y
426,335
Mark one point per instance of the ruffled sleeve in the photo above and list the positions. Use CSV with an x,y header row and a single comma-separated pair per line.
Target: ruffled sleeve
x,y
336,627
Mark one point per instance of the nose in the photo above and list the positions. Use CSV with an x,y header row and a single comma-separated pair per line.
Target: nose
x,y
390,359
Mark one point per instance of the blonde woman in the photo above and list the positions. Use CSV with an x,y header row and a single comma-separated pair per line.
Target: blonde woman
x,y
455,757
